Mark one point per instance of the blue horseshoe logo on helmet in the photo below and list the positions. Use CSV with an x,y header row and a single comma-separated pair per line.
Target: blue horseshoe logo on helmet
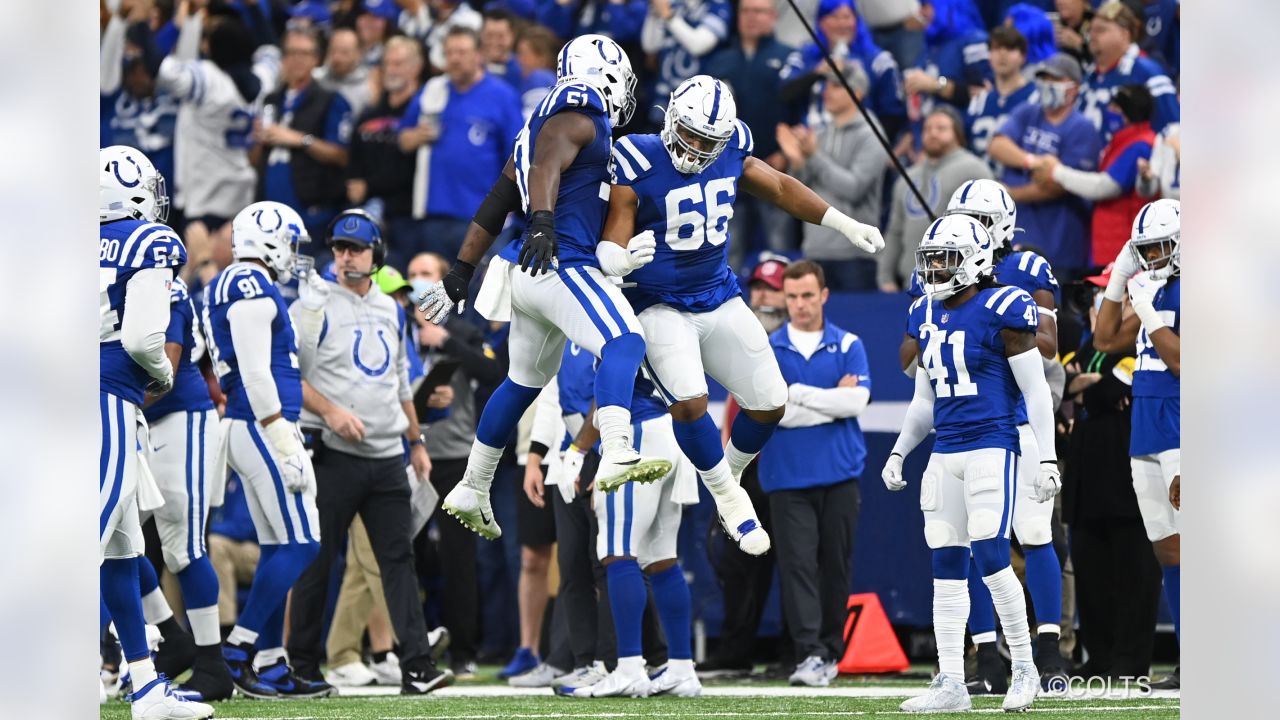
x,y
257,217
115,168
614,50
386,352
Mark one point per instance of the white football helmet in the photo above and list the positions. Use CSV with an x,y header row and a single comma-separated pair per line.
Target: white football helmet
x,y
1158,224
129,186
989,203
702,111
270,232
601,62
955,252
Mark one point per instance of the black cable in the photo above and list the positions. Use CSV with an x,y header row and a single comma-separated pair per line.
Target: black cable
x,y
875,128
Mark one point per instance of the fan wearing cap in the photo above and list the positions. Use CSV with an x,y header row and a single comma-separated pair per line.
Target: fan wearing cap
x,y
1149,270
1053,220
357,391
1118,61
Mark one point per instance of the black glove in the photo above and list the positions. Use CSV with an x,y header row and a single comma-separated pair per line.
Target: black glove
x,y
540,246
458,281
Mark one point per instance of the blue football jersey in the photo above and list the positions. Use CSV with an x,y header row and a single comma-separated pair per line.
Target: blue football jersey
x,y
577,380
1157,391
583,198
689,216
124,248
1030,272
1133,69
987,112
964,354
246,281
190,392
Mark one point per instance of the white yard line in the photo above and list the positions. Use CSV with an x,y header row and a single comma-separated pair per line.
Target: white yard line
x,y
481,691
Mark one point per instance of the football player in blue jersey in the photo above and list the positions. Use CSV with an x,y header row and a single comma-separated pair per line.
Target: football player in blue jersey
x,y
184,440
989,203
137,258
253,347
677,189
548,281
978,359
1149,269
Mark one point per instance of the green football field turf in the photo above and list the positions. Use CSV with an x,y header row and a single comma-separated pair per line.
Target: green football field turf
x,y
491,701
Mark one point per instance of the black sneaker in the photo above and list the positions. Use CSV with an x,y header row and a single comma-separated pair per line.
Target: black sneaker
x,y
287,684
177,650
992,677
210,679
424,678
1049,661
723,669
465,670
239,661
1172,681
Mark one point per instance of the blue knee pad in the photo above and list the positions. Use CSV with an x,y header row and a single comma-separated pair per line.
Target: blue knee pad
x,y
951,563
750,435
620,360
147,580
199,583
991,555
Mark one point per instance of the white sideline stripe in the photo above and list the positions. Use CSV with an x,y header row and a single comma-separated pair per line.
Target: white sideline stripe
x,y
481,691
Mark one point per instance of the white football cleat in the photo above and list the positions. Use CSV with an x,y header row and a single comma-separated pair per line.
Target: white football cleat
x,y
622,465
541,676
945,694
627,680
472,508
1023,688
355,674
155,701
814,672
387,672
738,517
678,682
582,677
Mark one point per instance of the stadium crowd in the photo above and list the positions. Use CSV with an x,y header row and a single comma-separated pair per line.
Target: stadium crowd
x,y
408,109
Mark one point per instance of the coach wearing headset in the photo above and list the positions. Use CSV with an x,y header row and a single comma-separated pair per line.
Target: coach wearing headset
x,y
352,353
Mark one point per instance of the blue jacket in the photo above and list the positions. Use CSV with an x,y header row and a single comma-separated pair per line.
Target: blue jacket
x,y
819,455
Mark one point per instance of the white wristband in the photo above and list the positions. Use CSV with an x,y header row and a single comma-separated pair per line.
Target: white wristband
x,y
1116,287
283,437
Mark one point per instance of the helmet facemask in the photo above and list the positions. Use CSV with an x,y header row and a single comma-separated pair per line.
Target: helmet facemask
x,y
1166,257
942,270
691,151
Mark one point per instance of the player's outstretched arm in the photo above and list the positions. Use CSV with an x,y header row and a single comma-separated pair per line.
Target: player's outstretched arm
x,y
788,193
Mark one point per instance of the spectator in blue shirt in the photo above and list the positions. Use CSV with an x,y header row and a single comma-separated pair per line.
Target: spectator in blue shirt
x,y
618,19
752,64
681,33
848,39
1162,33
1054,221
989,109
498,45
536,49
462,127
302,139
810,471
955,60
1118,62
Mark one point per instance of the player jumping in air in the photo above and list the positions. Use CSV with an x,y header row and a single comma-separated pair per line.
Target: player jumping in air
x,y
678,189
977,345
548,282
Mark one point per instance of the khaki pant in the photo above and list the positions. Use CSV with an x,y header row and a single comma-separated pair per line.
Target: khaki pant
x,y
234,562
360,596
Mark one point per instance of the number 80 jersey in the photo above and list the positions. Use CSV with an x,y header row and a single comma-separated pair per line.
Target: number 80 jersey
x,y
689,216
964,354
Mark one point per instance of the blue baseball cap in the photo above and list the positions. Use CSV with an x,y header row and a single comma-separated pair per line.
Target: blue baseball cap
x,y
383,8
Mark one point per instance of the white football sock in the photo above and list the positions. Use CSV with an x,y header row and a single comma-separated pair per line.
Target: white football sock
x,y
141,672
738,460
155,608
1011,606
984,638
482,464
632,666
204,625
950,615
268,657
240,636
680,668
614,422
718,479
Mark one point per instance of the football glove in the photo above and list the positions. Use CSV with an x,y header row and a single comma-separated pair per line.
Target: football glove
x,y
439,298
286,442
892,473
570,468
617,261
538,254
1048,482
313,292
866,238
